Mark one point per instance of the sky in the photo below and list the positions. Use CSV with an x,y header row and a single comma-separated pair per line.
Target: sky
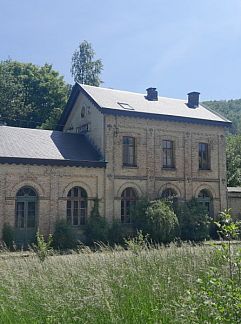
x,y
177,46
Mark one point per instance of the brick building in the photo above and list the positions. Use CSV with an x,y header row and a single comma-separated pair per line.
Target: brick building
x,y
114,145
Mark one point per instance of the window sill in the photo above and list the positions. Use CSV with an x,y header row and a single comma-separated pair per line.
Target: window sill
x,y
130,166
169,169
204,170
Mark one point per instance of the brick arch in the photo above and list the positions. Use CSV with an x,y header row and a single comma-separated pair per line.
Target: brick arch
x,y
77,184
205,187
27,183
129,185
169,186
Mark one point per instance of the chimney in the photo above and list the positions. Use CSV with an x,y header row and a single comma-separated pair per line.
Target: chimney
x,y
193,99
152,94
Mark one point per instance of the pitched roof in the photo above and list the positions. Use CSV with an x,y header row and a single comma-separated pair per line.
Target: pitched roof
x,y
36,146
110,101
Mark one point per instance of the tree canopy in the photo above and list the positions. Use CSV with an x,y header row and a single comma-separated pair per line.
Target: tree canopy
x,y
30,94
84,68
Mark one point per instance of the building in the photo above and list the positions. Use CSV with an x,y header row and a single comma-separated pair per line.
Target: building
x,y
116,146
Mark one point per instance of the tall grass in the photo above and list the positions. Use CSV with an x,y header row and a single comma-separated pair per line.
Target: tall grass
x,y
109,286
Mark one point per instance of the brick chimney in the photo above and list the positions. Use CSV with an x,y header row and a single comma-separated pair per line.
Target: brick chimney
x,y
152,94
193,99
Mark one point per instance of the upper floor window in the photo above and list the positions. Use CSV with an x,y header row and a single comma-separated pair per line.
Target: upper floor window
x,y
168,154
129,151
204,156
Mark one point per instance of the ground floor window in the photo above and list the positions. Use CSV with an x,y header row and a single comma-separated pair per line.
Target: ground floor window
x,y
77,203
205,198
128,200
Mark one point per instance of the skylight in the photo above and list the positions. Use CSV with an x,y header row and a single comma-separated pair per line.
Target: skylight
x,y
125,106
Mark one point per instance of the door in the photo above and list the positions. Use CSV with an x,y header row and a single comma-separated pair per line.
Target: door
x,y
26,217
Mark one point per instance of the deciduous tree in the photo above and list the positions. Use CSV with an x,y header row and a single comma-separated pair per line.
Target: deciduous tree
x,y
84,68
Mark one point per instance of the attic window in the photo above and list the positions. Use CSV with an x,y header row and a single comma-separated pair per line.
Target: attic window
x,y
125,106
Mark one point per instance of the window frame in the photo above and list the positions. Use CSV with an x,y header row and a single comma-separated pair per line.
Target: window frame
x,y
129,198
77,207
126,152
204,163
166,151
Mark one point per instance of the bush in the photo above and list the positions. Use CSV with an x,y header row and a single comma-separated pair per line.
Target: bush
x,y
63,237
117,233
156,219
8,235
193,221
97,228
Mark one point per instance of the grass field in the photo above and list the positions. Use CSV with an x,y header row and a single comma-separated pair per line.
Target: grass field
x,y
110,286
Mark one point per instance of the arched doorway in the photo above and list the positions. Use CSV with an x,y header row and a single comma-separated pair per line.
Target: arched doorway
x,y
77,204
128,200
26,216
206,199
169,194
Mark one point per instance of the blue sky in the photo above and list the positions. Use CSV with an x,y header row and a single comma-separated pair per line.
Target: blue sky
x,y
177,46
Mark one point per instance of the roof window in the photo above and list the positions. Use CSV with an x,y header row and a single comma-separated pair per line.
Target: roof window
x,y
125,106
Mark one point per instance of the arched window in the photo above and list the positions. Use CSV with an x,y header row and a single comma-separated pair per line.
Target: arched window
x,y
128,200
77,203
205,198
169,194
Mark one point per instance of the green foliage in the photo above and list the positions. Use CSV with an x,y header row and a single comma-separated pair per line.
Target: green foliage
x,y
97,228
233,152
8,235
155,219
63,236
193,221
231,109
117,233
216,298
84,68
43,247
29,93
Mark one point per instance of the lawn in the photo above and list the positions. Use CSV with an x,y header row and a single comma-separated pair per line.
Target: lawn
x,y
138,285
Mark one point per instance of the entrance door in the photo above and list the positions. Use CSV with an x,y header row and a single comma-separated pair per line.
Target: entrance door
x,y
26,216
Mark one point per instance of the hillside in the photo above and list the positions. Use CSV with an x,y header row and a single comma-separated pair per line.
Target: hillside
x,y
230,109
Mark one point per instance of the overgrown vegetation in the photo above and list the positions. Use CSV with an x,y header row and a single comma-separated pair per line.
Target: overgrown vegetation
x,y
8,235
63,236
193,221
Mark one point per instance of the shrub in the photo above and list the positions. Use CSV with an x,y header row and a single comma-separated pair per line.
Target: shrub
x,y
156,219
63,237
42,247
193,221
97,228
8,235
117,233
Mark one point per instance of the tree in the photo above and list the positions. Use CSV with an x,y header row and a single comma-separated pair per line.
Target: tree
x,y
30,93
234,160
84,68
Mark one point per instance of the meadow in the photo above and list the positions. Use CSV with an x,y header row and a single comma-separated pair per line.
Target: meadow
x,y
140,284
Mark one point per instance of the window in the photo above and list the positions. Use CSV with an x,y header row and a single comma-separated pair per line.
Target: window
x,y
128,200
168,154
26,207
125,106
77,201
168,194
129,151
204,159
205,198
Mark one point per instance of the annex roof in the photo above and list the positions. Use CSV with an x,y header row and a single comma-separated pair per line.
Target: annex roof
x,y
44,147
110,101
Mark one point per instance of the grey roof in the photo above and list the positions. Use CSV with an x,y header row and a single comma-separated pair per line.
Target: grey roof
x,y
234,189
111,99
35,146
